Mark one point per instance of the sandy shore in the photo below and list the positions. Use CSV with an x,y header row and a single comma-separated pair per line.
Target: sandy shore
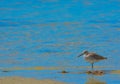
x,y
20,80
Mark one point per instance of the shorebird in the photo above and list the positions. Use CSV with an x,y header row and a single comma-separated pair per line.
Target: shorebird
x,y
92,57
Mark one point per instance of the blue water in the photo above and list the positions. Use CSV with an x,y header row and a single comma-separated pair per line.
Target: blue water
x,y
52,33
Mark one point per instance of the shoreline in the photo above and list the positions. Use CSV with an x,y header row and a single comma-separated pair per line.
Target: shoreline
x,y
21,80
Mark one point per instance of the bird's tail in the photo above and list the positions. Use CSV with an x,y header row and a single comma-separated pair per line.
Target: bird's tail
x,y
105,57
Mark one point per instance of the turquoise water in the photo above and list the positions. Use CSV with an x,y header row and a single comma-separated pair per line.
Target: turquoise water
x,y
52,33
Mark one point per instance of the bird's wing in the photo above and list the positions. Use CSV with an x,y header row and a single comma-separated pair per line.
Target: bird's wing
x,y
97,56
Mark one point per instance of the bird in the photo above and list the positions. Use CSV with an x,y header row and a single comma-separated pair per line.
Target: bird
x,y
91,57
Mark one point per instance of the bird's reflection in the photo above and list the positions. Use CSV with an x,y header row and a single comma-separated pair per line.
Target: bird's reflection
x,y
92,80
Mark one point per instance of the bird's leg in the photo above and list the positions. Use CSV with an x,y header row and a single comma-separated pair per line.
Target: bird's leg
x,y
92,66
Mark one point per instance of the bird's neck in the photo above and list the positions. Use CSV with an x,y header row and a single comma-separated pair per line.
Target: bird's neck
x,y
85,55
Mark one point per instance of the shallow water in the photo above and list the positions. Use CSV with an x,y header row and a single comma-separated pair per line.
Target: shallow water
x,y
39,39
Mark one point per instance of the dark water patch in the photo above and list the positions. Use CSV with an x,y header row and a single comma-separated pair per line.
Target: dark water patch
x,y
47,51
13,22
116,26
5,71
104,21
8,24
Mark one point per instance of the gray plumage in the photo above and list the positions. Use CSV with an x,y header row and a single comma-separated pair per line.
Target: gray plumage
x,y
92,57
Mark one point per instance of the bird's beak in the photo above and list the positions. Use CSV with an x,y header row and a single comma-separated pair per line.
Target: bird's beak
x,y
81,54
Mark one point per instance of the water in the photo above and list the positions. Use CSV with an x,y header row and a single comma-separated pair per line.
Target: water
x,y
52,33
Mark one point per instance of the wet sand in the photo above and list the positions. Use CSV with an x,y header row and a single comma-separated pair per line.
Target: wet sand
x,y
21,80
94,81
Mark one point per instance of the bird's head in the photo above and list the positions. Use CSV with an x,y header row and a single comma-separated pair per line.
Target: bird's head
x,y
83,53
